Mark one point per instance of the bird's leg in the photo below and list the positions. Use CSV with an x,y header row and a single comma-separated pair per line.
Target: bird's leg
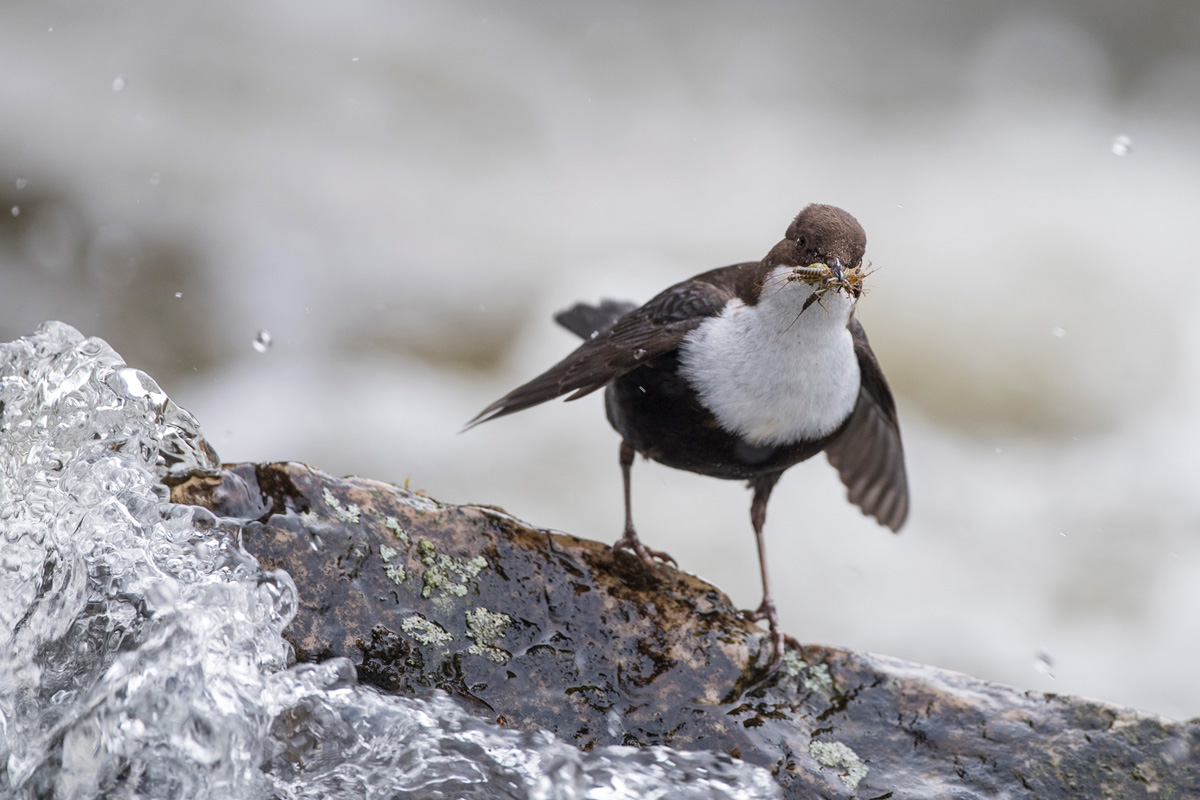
x,y
630,540
766,610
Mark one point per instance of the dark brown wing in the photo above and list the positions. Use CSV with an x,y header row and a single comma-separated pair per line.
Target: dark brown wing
x,y
868,455
651,330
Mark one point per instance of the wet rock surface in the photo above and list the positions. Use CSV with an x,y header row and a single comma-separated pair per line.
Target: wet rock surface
x,y
541,630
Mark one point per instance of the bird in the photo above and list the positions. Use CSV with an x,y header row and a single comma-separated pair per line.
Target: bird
x,y
740,373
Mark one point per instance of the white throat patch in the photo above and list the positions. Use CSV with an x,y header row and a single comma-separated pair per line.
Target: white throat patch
x,y
769,376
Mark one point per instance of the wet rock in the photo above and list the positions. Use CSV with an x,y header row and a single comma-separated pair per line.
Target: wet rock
x,y
541,630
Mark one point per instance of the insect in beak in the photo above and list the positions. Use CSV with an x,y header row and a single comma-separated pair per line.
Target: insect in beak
x,y
835,266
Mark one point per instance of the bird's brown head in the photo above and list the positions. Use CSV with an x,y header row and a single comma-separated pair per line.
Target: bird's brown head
x,y
821,234
824,247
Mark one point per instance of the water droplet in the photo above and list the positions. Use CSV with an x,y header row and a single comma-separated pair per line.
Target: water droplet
x,y
1043,663
998,450
1121,145
22,183
1058,332
16,211
355,59
155,178
179,295
639,353
262,341
1062,534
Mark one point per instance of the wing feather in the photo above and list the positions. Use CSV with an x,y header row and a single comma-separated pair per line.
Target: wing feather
x,y
636,338
868,455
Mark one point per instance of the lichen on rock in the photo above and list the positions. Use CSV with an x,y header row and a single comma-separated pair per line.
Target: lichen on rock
x,y
425,632
551,632
836,754
485,627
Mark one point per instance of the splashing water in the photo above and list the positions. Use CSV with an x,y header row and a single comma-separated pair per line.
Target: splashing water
x,y
140,646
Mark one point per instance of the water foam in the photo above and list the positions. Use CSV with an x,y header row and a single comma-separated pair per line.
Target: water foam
x,y
141,652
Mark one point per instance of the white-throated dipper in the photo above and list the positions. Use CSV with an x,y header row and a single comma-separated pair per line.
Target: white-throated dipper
x,y
741,372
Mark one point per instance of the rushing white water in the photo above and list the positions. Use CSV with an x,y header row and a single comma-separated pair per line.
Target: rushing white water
x,y
140,646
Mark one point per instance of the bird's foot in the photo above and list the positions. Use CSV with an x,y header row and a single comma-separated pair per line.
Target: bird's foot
x,y
651,559
766,610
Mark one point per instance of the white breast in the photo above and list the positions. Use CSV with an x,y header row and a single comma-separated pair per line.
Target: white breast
x,y
769,376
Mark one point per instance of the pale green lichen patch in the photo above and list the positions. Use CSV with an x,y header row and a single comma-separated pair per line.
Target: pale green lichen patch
x,y
310,519
447,575
395,572
425,632
427,552
395,527
818,679
349,514
485,627
838,755
792,663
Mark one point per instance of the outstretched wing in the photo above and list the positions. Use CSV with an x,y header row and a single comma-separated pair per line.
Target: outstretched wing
x,y
868,454
637,337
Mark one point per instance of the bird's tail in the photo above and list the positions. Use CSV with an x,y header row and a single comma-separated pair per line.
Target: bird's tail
x,y
583,320
588,322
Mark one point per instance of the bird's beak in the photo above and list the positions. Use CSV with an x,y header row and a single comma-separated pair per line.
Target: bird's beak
x,y
835,266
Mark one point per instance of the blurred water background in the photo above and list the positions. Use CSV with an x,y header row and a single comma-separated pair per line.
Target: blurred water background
x,y
334,232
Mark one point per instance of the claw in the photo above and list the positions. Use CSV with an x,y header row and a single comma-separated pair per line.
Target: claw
x,y
766,610
651,559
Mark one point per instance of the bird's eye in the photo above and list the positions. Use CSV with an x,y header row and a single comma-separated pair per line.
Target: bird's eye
x,y
800,240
